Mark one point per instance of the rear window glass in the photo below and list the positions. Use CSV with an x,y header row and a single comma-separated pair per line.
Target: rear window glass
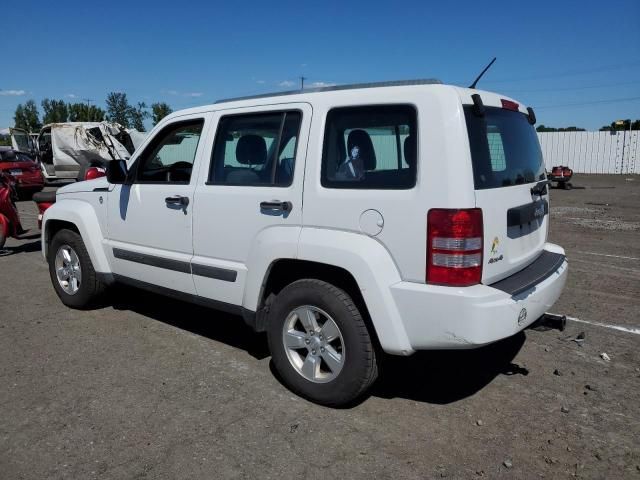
x,y
504,148
371,147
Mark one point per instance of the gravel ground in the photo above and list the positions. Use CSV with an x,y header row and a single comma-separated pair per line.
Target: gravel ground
x,y
153,388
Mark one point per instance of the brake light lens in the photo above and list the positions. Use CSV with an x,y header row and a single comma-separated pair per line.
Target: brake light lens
x,y
41,209
509,105
94,172
454,247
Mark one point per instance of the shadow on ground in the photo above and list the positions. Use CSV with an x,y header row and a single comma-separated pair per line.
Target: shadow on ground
x,y
214,324
434,377
443,377
23,248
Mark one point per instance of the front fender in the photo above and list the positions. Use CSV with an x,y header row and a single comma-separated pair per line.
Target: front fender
x,y
83,216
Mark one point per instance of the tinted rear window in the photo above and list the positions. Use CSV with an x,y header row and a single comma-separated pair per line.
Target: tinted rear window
x,y
504,148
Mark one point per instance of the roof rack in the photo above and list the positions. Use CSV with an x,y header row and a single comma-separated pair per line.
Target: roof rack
x,y
398,83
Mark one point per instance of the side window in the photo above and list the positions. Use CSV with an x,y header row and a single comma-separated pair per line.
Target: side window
x,y
255,149
170,156
370,147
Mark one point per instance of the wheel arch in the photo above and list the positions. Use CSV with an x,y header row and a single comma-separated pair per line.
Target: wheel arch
x,y
80,217
356,263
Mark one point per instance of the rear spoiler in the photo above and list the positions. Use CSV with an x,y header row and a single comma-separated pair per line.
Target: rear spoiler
x,y
478,108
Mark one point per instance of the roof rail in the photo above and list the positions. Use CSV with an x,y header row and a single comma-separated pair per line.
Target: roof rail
x,y
354,86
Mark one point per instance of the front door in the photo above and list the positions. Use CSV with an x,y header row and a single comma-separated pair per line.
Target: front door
x,y
150,220
250,197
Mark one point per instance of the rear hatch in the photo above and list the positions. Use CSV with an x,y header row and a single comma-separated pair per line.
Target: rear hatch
x,y
507,170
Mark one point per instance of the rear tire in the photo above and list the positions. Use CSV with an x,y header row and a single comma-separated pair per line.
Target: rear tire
x,y
320,344
72,274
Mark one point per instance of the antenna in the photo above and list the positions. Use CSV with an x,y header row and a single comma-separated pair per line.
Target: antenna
x,y
302,79
473,85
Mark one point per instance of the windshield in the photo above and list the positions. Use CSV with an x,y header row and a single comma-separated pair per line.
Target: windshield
x,y
504,148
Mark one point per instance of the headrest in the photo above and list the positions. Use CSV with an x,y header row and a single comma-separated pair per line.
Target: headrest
x,y
410,151
251,150
362,140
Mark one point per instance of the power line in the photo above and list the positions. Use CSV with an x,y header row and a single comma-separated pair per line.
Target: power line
x,y
563,89
579,104
569,73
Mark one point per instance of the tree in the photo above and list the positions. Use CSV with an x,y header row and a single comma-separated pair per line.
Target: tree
x,y
54,111
542,128
621,126
118,108
80,112
137,116
159,110
27,117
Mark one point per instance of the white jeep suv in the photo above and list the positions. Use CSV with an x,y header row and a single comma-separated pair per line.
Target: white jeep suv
x,y
343,221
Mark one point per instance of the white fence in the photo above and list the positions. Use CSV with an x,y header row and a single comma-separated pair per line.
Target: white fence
x,y
592,152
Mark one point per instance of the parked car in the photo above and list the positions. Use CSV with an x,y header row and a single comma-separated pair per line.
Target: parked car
x,y
23,169
67,150
343,221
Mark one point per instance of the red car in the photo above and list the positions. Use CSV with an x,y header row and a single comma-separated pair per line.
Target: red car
x,y
23,169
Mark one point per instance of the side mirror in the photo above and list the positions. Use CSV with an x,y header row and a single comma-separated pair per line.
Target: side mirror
x,y
117,171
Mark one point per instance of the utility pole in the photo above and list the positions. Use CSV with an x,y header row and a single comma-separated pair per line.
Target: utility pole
x,y
88,100
302,79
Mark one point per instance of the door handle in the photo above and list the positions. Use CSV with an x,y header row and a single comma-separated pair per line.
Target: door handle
x,y
177,200
276,205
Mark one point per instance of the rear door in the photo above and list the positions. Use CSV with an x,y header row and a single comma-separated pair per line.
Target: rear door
x,y
253,186
21,140
507,165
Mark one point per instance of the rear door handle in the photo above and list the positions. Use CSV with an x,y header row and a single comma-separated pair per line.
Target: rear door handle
x,y
177,200
276,205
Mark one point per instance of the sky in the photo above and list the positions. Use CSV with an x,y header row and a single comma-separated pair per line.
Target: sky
x,y
576,62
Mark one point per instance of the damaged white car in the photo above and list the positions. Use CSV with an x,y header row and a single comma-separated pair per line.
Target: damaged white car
x,y
66,150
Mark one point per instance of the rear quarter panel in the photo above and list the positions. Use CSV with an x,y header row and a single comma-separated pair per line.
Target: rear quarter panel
x,y
445,179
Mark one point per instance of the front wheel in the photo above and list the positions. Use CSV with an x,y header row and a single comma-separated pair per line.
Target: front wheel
x,y
71,271
320,344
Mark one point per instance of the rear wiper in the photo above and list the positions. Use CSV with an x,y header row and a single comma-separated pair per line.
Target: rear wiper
x,y
540,188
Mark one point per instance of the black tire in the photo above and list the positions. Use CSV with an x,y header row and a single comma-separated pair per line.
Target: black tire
x,y
90,289
3,237
360,368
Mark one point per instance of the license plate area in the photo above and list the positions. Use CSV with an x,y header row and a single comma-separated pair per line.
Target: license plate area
x,y
15,173
525,214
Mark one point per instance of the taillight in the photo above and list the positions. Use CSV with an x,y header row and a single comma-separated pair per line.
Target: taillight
x,y
454,246
41,208
509,105
94,172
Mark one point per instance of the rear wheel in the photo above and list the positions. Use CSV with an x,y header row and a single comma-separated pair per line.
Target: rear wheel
x,y
71,271
320,344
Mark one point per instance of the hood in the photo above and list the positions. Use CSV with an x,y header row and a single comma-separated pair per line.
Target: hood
x,y
84,186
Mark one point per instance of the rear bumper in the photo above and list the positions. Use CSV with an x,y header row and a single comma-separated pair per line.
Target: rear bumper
x,y
437,317
559,178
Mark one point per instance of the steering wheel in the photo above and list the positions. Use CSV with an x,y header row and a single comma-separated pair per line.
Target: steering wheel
x,y
176,167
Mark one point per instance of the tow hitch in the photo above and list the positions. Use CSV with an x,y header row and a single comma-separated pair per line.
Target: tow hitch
x,y
549,320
